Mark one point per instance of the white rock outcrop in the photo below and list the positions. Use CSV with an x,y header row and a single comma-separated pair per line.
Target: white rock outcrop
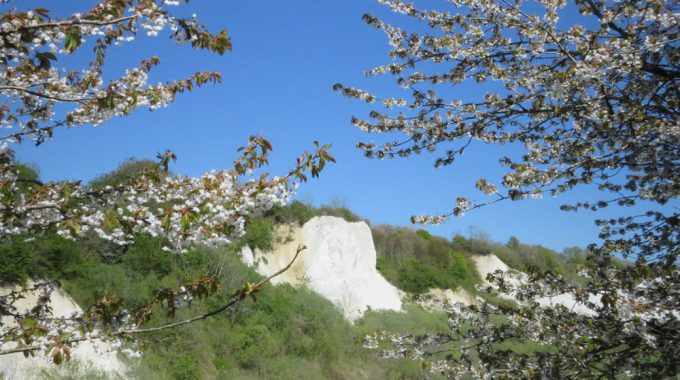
x,y
441,299
339,264
86,356
491,263
488,264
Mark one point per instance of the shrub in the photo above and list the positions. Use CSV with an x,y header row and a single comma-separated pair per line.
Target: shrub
x,y
184,367
424,234
126,171
49,257
260,234
146,256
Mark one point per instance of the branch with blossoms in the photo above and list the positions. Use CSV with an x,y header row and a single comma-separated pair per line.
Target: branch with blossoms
x,y
184,212
30,45
212,209
590,106
39,98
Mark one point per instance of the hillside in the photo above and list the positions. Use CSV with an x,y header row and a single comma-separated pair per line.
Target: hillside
x,y
287,332
415,260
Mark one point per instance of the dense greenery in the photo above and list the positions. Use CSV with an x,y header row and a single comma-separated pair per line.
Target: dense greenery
x,y
45,257
298,213
416,261
260,234
286,333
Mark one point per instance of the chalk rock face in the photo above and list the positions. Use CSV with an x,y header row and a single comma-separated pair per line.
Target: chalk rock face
x,y
86,355
440,299
491,263
339,264
487,264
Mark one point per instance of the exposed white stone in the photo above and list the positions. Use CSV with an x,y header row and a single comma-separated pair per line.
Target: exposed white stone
x,y
487,264
339,264
567,300
436,298
491,263
87,356
247,256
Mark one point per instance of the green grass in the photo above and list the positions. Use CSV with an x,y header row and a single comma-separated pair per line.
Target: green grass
x,y
413,320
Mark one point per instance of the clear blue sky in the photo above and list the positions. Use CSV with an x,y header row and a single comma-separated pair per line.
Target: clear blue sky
x,y
278,80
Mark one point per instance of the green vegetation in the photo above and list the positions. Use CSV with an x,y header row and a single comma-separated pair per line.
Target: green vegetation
x,y
126,171
299,213
42,257
413,320
526,257
260,234
286,333
414,260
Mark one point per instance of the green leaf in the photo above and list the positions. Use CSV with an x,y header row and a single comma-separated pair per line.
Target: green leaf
x,y
28,323
73,40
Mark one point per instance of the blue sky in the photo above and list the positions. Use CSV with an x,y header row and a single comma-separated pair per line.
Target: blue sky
x,y
278,82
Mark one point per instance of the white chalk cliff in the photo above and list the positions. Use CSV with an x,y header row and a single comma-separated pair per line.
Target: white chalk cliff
x,y
491,263
339,264
88,356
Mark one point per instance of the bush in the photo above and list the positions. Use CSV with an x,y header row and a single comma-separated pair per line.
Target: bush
x,y
184,367
416,277
296,212
299,213
49,257
146,256
462,272
126,171
260,234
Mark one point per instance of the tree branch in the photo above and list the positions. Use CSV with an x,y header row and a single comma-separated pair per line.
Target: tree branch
x,y
58,24
41,95
236,298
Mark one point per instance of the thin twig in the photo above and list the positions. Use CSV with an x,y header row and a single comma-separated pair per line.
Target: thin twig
x,y
236,298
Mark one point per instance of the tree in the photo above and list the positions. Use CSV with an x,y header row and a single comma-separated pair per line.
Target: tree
x,y
39,98
590,89
513,242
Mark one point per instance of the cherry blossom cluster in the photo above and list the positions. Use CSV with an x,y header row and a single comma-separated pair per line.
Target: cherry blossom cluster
x,y
211,209
32,42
